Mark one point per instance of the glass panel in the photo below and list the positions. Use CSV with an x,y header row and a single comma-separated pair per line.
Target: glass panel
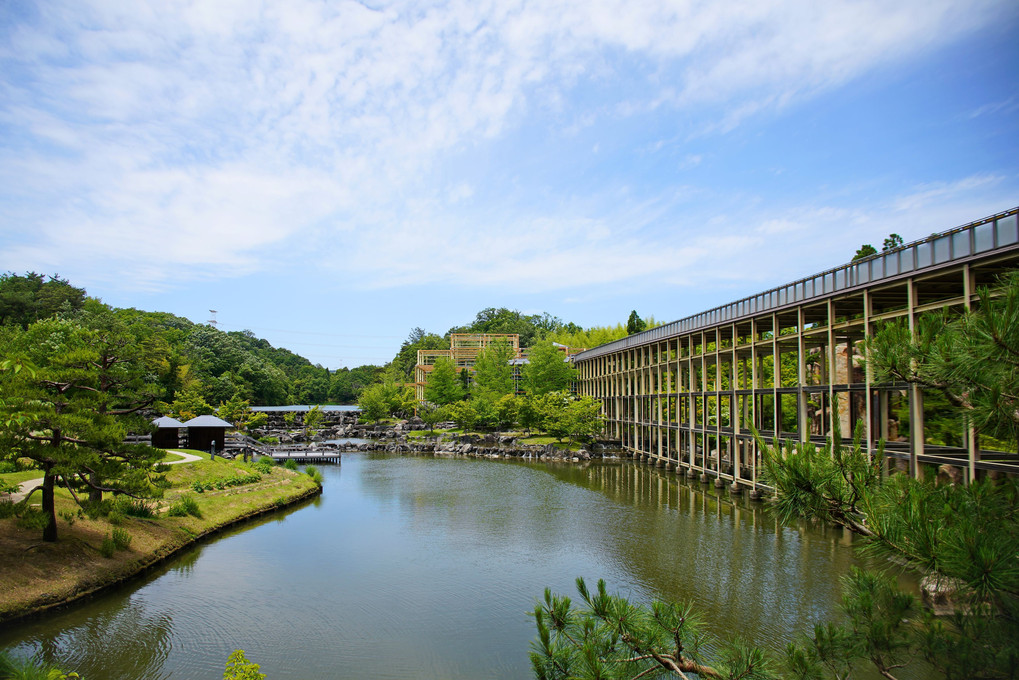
x,y
840,279
960,244
983,236
828,281
923,255
877,268
862,273
907,260
942,250
1008,230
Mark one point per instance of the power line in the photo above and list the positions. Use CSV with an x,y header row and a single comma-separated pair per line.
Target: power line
x,y
331,335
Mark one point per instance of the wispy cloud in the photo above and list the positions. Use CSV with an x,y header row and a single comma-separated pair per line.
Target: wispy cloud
x,y
240,127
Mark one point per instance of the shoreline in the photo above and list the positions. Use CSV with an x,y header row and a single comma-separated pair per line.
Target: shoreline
x,y
87,579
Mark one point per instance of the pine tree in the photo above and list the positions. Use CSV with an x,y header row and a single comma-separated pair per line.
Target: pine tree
x,y
85,395
635,324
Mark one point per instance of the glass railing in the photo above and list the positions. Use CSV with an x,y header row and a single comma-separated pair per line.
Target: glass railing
x,y
994,233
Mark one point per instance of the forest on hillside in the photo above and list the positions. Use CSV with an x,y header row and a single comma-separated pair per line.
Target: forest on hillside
x,y
194,360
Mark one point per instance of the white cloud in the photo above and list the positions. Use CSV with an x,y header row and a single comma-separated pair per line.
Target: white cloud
x,y
243,126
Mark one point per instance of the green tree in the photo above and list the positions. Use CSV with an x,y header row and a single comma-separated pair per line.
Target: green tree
x,y
406,359
238,413
189,404
443,386
563,415
528,414
373,403
463,413
87,391
493,375
431,414
313,418
32,297
486,413
401,399
506,410
892,242
547,370
239,668
610,637
502,320
635,324
864,251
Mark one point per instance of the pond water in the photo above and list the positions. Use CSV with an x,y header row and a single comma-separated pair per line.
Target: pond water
x,y
425,567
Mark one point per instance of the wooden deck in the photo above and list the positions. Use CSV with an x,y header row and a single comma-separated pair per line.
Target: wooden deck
x,y
302,455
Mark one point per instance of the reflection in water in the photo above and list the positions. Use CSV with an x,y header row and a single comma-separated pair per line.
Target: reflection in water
x,y
421,567
126,638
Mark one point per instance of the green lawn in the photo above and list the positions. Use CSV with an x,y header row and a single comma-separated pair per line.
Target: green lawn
x,y
19,477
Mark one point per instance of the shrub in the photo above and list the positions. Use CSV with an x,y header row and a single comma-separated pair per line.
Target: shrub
x,y
7,466
121,539
68,516
269,440
116,518
291,464
133,507
108,547
7,508
198,487
31,518
265,464
315,475
183,506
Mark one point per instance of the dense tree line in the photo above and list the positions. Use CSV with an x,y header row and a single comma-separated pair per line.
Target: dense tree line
x,y
192,359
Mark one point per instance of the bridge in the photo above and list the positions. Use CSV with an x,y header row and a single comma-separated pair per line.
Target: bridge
x,y
789,361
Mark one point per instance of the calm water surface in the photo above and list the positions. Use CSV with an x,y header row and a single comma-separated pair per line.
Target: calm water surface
x,y
420,567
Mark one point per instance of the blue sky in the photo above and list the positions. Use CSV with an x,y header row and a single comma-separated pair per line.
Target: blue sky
x,y
331,175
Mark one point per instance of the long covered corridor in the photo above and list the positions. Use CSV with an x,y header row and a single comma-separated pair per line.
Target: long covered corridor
x,y
789,361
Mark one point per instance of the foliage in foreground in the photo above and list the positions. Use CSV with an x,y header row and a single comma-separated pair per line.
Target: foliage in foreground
x,y
12,668
610,637
237,668
972,359
963,540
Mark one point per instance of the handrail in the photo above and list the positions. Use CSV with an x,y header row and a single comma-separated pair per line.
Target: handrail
x,y
933,252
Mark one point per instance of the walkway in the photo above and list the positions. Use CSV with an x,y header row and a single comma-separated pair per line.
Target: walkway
x,y
27,487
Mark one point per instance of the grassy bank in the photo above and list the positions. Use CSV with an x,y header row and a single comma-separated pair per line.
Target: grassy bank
x,y
35,575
